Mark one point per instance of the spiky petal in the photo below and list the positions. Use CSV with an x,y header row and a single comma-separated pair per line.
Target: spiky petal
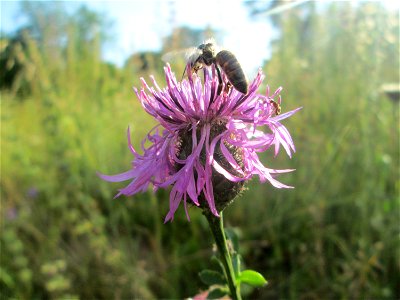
x,y
188,110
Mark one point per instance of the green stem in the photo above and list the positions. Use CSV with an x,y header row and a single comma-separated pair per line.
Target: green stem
x,y
217,229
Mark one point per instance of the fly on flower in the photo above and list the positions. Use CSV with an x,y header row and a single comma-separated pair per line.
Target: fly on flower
x,y
206,143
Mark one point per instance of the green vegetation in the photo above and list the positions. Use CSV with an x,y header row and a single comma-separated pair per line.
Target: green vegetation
x,y
64,114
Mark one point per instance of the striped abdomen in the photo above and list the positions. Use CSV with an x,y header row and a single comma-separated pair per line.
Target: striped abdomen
x,y
232,69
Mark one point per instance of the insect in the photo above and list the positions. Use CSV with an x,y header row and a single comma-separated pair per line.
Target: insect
x,y
207,54
276,106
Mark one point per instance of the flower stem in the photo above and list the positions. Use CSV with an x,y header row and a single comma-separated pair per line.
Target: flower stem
x,y
217,229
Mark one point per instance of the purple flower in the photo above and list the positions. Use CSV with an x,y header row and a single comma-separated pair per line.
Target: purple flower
x,y
206,142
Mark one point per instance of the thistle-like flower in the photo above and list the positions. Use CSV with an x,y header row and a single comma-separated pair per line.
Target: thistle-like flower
x,y
206,143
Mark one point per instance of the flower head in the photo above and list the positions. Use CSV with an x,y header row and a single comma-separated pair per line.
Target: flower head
x,y
206,143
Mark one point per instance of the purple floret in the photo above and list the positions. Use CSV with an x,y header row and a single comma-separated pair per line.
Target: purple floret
x,y
194,106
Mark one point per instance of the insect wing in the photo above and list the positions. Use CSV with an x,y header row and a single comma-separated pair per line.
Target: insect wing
x,y
181,54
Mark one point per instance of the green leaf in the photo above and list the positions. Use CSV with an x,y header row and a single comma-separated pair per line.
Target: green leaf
x,y
233,237
252,278
217,293
211,277
236,263
6,278
219,262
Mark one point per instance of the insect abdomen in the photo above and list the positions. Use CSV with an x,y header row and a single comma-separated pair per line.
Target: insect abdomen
x,y
232,69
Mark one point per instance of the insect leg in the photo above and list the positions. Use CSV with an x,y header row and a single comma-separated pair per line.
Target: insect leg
x,y
184,71
219,90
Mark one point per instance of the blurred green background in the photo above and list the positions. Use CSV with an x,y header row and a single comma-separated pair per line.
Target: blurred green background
x,y
64,114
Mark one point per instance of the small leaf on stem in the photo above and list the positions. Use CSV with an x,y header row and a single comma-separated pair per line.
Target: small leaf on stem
x,y
236,263
211,277
217,293
233,238
252,278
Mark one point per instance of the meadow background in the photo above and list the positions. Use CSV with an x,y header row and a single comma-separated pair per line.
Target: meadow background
x,y
64,114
